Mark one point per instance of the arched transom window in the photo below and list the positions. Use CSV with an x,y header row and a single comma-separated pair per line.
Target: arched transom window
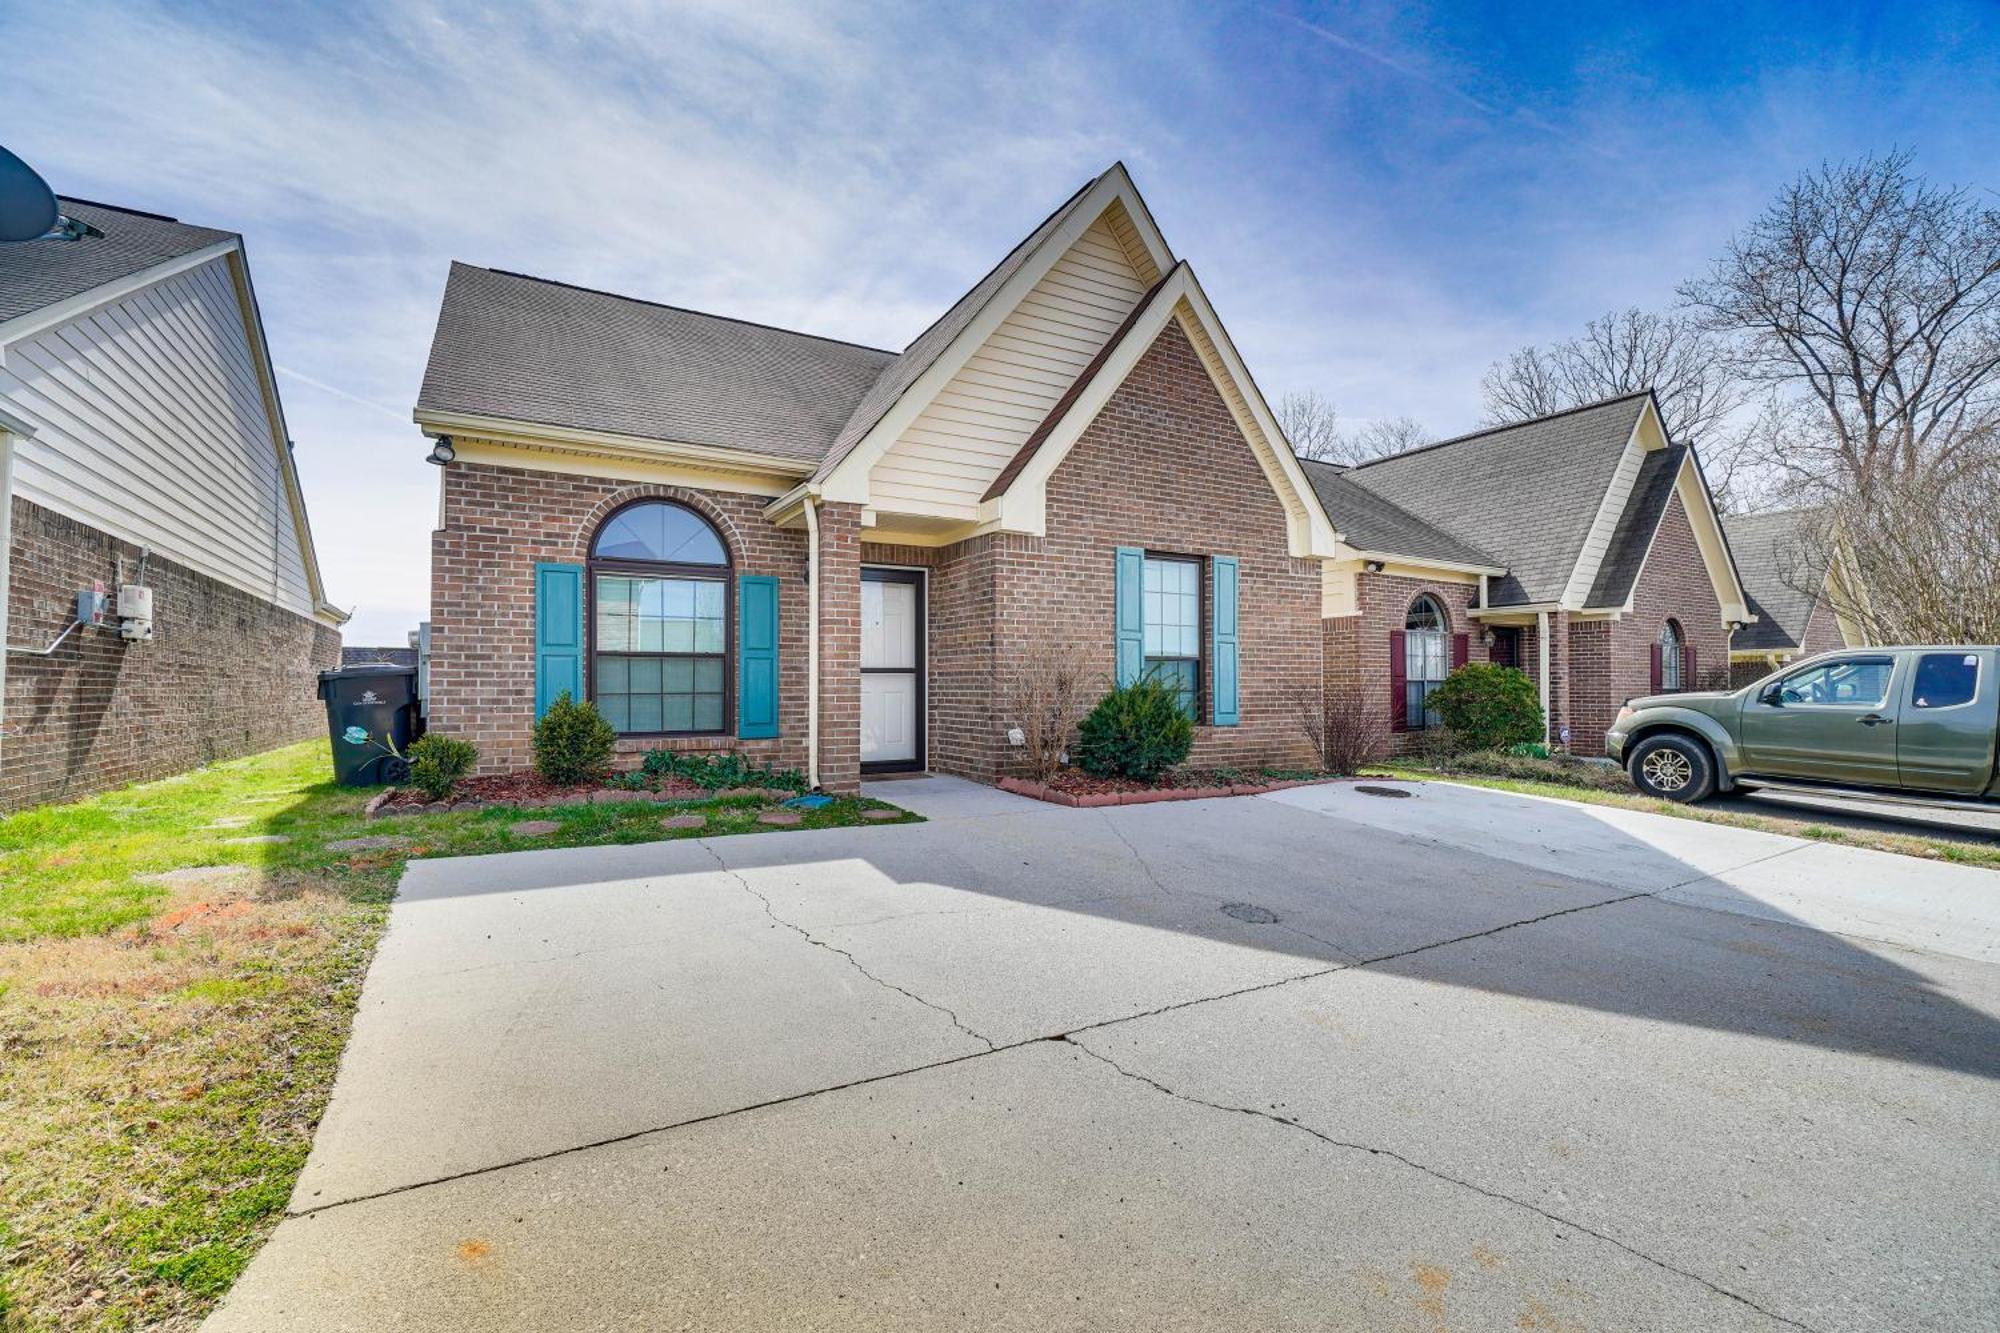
x,y
1672,658
1426,660
659,622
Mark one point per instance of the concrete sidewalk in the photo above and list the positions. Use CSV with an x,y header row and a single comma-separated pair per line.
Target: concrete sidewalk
x,y
1302,1061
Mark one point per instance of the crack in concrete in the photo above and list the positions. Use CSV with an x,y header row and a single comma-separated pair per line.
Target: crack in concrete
x,y
852,961
1163,887
1435,1174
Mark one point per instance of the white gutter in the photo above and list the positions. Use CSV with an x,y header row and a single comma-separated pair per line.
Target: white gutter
x,y
1542,648
812,641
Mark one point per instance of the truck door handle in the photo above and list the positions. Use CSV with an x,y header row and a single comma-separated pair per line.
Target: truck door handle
x,y
1876,720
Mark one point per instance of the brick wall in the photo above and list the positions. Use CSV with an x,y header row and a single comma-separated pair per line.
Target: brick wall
x,y
227,673
1357,646
498,522
1674,583
839,593
1164,467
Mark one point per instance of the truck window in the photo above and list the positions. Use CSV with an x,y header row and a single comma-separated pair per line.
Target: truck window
x,y
1946,680
1848,683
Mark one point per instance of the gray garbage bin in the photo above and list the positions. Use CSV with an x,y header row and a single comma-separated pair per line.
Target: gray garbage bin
x,y
371,716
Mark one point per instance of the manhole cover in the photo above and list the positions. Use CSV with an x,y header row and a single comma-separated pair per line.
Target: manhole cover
x,y
1255,915
1367,790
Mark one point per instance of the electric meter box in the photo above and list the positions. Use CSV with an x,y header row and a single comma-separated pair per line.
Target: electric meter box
x,y
92,608
135,612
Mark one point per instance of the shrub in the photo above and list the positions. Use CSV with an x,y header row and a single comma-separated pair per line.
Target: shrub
x,y
1347,732
1044,697
1136,731
438,762
714,772
1489,707
572,742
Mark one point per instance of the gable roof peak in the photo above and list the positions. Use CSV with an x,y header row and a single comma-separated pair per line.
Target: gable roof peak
x,y
1485,431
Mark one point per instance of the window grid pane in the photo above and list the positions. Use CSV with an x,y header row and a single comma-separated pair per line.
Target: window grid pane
x,y
1170,594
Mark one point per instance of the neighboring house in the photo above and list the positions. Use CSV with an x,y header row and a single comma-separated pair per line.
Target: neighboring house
x,y
1582,547
396,657
835,557
1793,589
142,444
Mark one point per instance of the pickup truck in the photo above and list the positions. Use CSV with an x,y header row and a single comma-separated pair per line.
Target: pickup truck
x,y
1901,723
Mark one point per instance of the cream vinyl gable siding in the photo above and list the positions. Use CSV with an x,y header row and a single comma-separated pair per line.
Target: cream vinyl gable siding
x,y
944,461
153,424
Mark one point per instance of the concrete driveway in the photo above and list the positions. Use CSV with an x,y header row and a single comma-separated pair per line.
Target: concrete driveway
x,y
1316,1060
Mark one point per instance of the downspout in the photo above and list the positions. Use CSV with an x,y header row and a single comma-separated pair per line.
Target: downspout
x,y
812,642
1542,651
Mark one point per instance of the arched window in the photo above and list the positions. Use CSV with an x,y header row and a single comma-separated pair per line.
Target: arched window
x,y
1673,659
659,622
1426,660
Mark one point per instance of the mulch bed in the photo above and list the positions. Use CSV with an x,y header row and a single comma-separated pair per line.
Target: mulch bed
x,y
528,790
1074,787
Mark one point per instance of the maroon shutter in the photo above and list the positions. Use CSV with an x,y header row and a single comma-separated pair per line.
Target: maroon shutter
x,y
1399,698
1656,667
1687,668
1461,650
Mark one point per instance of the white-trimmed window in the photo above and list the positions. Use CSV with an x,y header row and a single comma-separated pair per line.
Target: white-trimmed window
x,y
1172,602
1673,659
1426,661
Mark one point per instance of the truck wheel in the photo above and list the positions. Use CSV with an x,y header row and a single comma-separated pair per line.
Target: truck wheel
x,y
1675,768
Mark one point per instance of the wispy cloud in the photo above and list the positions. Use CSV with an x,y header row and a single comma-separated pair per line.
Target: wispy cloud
x,y
1381,199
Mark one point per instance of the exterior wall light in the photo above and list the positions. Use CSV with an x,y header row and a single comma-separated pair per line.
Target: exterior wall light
x,y
441,451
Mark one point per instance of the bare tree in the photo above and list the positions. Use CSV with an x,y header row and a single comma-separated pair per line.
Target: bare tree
x,y
1911,557
1872,298
1312,425
1347,732
1617,353
1045,697
1385,436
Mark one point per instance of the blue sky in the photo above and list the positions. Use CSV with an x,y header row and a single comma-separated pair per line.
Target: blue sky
x,y
1380,200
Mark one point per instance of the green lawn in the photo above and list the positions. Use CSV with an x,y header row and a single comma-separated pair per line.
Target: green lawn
x,y
168,1039
1799,825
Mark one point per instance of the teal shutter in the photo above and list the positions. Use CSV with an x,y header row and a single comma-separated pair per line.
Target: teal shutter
x,y
1223,654
558,634
1130,601
757,656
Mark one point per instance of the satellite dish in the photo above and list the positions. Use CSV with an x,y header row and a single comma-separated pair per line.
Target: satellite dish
x,y
27,204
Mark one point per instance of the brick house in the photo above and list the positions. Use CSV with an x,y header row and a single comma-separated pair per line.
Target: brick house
x,y
1795,589
1583,548
142,444
836,557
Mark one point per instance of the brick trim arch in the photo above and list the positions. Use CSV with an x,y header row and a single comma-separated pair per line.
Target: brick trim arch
x,y
1443,606
694,500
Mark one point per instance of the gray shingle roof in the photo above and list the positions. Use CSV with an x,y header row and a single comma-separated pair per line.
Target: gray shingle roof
x,y
1525,493
1773,554
927,346
1369,522
1633,536
37,274
531,350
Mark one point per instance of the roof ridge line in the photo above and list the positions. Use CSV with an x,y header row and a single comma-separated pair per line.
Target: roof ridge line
x,y
132,212
1495,430
1075,195
680,309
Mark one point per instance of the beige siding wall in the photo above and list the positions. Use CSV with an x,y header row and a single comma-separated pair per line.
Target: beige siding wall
x,y
151,426
949,455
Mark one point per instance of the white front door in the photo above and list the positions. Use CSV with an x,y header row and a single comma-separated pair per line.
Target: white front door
x,y
891,667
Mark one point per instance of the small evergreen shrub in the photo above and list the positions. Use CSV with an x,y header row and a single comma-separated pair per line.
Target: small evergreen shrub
x,y
573,742
716,772
1136,731
438,762
1489,707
